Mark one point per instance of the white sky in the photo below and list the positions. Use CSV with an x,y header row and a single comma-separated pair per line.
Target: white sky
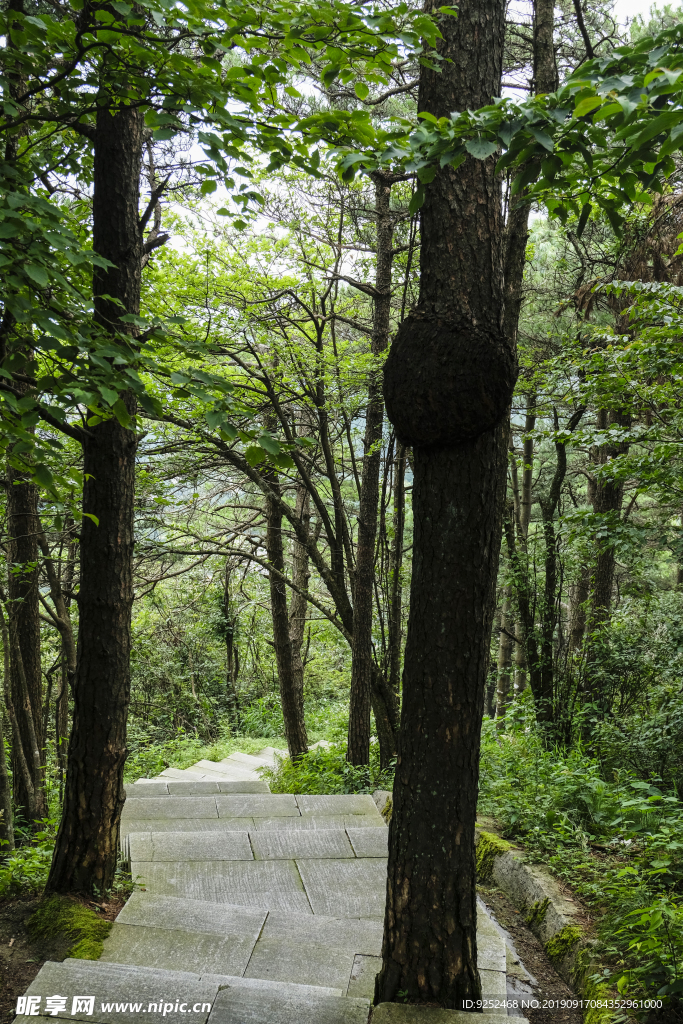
x,y
629,8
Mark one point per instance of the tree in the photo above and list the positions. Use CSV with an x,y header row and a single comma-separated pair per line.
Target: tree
x,y
447,386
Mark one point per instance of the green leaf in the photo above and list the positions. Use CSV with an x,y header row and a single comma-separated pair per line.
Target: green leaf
x,y
89,515
254,455
121,413
544,139
361,90
586,105
43,475
583,219
480,149
269,444
426,174
37,274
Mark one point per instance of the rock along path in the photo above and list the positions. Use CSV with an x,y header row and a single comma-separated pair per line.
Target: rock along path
x,y
253,908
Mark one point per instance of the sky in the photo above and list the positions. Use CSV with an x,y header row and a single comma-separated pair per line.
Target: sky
x,y
629,8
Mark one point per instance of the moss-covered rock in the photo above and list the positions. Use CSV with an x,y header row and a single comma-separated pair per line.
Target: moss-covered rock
x,y
562,943
537,912
60,916
489,847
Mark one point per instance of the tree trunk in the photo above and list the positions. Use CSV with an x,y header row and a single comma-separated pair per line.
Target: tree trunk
x,y
7,822
292,697
87,843
504,678
448,383
298,605
232,658
430,944
358,747
396,591
578,596
23,587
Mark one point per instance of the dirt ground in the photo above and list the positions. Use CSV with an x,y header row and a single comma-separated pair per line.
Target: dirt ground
x,y
546,984
21,957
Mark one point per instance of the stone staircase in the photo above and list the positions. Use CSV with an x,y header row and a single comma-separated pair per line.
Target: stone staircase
x,y
252,908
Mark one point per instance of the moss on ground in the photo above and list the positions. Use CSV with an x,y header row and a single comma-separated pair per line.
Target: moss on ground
x,y
560,944
489,847
60,916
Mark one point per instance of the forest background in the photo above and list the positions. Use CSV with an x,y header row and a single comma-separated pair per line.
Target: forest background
x,y
240,598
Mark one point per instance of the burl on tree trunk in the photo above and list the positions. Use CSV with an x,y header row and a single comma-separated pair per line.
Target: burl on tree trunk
x,y
448,384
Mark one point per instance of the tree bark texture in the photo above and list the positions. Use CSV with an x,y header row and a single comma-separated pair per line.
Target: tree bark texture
x,y
291,696
7,822
24,614
87,843
396,592
298,605
358,746
429,948
448,385
545,67
504,675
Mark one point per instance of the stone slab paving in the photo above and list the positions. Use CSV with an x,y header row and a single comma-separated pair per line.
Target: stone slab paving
x,y
177,914
173,807
241,1006
179,950
350,803
182,788
113,983
369,842
266,805
279,844
345,888
356,935
130,824
272,884
248,760
177,846
308,963
312,821
362,980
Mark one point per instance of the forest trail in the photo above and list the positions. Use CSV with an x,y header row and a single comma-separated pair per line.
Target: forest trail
x,y
252,908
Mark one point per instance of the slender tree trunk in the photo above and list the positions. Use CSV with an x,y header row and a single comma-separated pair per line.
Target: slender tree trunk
x,y
448,384
232,659
519,658
291,697
87,843
23,586
298,605
358,748
579,592
7,822
504,678
396,591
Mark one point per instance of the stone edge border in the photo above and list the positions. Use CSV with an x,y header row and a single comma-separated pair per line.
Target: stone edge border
x,y
554,919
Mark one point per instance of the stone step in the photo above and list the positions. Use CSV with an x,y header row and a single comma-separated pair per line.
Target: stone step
x,y
232,768
194,787
252,844
155,993
239,1005
133,823
247,760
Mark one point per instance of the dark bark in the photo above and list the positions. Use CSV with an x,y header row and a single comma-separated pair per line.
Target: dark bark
x,y
578,596
358,747
23,587
608,497
7,822
291,696
504,673
448,384
232,658
396,591
298,606
545,67
86,850
429,947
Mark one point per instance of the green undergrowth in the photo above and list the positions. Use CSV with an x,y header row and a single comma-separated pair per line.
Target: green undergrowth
x,y
25,870
183,751
59,916
616,839
326,770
